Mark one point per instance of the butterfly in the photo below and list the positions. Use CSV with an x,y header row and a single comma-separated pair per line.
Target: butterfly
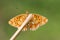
x,y
35,22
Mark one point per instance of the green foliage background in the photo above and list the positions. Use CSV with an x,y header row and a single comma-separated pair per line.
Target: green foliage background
x,y
48,8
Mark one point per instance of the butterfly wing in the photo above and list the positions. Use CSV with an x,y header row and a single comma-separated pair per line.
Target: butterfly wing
x,y
36,21
18,20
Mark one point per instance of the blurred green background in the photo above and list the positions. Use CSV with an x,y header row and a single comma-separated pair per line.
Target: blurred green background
x,y
48,8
